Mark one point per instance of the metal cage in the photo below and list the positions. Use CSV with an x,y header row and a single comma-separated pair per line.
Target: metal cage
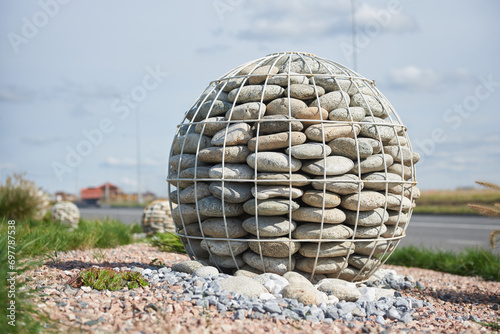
x,y
292,162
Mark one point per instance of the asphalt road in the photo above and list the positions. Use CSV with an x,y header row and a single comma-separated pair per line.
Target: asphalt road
x,y
448,232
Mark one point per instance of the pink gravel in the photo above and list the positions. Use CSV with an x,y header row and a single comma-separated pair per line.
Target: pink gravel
x,y
151,309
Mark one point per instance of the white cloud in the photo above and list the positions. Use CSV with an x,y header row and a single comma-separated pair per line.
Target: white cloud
x,y
386,19
129,162
419,79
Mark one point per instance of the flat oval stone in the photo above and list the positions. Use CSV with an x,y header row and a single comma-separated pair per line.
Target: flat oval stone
x,y
235,134
331,83
233,192
368,200
378,180
324,265
371,130
315,198
187,267
360,261
375,144
369,232
180,162
313,230
309,151
277,123
312,113
392,231
282,179
273,162
344,184
231,171
213,108
270,207
398,141
227,261
328,132
211,125
408,190
192,230
243,285
395,202
314,215
400,169
373,247
298,279
266,192
269,226
306,66
306,92
374,217
173,179
341,289
371,104
186,213
374,163
347,147
303,294
213,93
212,207
277,141
400,154
246,111
255,93
335,165
260,74
230,154
275,247
280,106
221,247
355,114
326,249
228,85
332,100
351,274
202,172
216,228
397,217
190,194
274,265
282,79
189,143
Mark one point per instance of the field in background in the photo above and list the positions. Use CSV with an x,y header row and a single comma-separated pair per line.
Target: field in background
x,y
454,201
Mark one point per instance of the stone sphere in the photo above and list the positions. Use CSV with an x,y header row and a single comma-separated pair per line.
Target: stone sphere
x,y
67,213
156,218
292,162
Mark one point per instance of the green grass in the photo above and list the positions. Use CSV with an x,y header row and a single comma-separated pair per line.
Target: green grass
x,y
168,242
107,278
469,262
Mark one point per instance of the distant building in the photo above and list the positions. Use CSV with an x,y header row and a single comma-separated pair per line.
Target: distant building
x,y
109,193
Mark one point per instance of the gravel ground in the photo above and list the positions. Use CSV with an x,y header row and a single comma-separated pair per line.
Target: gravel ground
x,y
456,301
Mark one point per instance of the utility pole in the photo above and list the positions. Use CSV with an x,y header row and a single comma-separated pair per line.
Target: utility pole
x,y
139,188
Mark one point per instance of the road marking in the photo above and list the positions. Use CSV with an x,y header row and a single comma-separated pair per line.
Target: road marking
x,y
448,226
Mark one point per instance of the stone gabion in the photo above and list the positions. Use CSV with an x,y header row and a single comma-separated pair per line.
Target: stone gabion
x,y
292,162
67,213
157,218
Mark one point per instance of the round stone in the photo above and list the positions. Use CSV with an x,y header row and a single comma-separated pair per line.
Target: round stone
x,y
304,295
211,125
305,92
273,162
270,207
361,261
266,192
243,285
326,249
190,143
316,215
375,144
379,180
260,74
201,172
366,232
312,113
180,162
281,106
371,104
374,163
228,154
230,228
397,218
247,111
187,267
282,179
369,129
277,123
212,108
275,247
235,134
185,214
276,141
332,100
373,247
400,170
212,206
393,231
190,194
347,147
344,184
368,200
323,265
269,226
320,199
395,202
309,151
335,165
232,192
400,154
221,247
231,171
374,217
328,131
206,271
313,231
274,265
227,261
255,93
352,114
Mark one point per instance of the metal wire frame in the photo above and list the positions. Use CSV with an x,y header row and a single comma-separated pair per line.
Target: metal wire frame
x,y
326,69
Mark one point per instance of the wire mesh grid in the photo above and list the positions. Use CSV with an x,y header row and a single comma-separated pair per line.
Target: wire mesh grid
x,y
292,162
157,218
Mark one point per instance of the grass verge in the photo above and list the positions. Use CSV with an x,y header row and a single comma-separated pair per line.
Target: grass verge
x,y
469,262
168,242
454,201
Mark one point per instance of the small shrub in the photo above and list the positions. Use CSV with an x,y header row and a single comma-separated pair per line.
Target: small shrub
x,y
168,242
107,278
489,210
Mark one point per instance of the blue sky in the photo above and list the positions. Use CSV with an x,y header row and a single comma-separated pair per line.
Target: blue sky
x,y
72,72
